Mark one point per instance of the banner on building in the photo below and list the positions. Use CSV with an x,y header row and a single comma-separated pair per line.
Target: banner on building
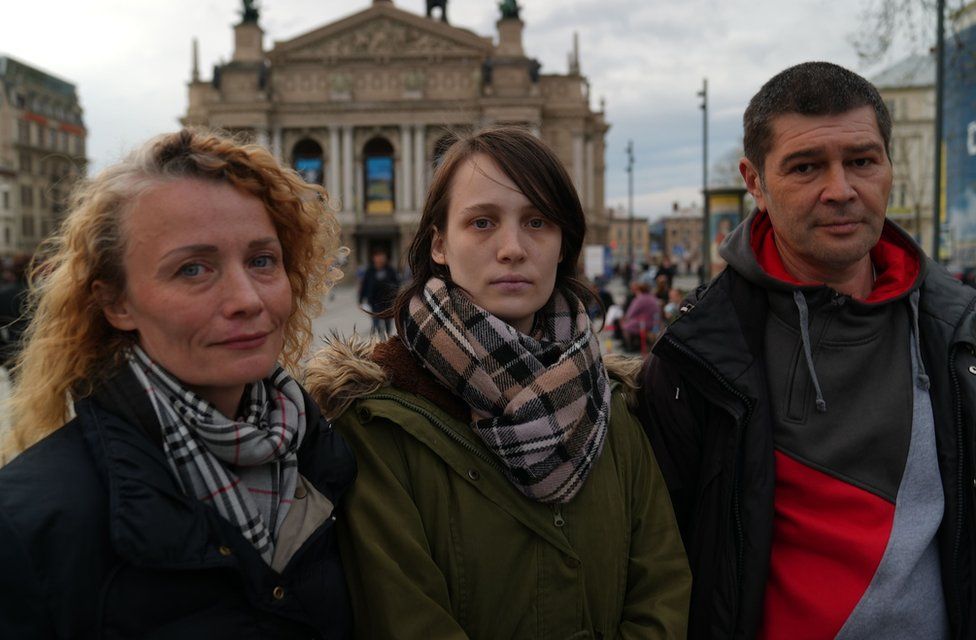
x,y
959,198
379,185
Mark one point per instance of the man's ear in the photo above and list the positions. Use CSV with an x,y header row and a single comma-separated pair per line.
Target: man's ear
x,y
753,182
114,305
437,248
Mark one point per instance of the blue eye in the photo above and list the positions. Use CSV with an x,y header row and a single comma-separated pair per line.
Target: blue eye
x,y
263,262
481,223
537,223
191,270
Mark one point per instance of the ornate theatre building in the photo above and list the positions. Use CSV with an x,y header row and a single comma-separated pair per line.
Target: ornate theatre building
x,y
365,106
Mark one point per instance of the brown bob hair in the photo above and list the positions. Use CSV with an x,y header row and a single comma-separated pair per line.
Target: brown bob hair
x,y
539,175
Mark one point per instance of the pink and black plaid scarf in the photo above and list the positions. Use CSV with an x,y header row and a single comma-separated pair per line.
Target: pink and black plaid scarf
x,y
247,469
540,402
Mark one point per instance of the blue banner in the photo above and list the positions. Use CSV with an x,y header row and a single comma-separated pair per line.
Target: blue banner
x,y
959,205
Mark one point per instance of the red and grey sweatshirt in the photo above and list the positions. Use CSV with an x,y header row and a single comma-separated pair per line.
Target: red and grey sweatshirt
x,y
858,497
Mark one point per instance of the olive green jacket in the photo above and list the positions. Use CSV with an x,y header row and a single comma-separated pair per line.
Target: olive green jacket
x,y
437,543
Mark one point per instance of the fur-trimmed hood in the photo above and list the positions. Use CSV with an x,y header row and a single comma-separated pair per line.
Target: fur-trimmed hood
x,y
349,368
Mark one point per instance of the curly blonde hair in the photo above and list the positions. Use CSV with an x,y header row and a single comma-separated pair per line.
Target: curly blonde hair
x,y
70,347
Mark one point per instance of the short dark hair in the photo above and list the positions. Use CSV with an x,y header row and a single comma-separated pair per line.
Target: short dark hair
x,y
539,175
809,89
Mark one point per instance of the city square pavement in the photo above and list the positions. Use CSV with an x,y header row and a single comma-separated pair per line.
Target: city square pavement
x,y
342,314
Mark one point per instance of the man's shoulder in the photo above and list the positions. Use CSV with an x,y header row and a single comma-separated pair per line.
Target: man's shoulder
x,y
944,298
727,296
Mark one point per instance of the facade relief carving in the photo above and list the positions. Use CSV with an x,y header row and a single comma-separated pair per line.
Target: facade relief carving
x,y
382,37
413,83
340,86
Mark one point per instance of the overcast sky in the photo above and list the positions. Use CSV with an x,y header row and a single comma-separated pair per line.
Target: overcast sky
x,y
130,60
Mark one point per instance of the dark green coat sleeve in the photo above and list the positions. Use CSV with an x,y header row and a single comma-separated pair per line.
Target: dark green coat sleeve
x,y
397,589
658,578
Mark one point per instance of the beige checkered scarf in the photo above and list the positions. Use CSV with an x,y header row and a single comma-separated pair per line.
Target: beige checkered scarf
x,y
540,402
247,468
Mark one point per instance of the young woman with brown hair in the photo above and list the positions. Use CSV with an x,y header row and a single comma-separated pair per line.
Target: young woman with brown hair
x,y
505,490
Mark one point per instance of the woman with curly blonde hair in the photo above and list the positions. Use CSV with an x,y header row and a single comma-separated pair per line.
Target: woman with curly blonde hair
x,y
192,492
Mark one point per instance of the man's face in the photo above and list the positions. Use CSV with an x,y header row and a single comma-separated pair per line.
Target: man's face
x,y
825,187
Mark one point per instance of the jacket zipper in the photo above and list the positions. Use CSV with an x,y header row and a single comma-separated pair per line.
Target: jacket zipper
x,y
960,482
453,435
960,469
557,516
736,479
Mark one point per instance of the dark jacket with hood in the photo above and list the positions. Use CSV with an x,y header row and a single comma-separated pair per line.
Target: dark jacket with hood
x,y
97,540
781,414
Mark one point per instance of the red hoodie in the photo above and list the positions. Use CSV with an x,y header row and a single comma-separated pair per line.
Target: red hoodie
x,y
829,536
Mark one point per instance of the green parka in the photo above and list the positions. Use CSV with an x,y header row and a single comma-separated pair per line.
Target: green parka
x,y
437,543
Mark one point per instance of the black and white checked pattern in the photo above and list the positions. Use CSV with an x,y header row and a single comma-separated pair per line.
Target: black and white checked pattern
x,y
540,402
248,468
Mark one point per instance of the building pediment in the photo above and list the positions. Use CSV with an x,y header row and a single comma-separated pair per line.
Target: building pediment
x,y
382,31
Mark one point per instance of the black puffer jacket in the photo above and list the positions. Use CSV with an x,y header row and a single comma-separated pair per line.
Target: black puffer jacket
x,y
98,541
705,407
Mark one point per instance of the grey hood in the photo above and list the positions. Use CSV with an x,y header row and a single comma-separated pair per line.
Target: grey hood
x,y
899,264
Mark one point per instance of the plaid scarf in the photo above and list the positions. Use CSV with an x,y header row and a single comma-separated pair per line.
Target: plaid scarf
x,y
247,469
540,402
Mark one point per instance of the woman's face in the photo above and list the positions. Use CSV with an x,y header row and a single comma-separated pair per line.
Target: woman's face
x,y
206,289
498,247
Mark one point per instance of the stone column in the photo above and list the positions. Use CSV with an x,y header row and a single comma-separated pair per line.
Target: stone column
x,y
276,143
406,153
420,162
261,137
333,185
589,180
578,164
348,197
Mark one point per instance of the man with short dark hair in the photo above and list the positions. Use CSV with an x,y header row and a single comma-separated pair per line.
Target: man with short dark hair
x,y
812,408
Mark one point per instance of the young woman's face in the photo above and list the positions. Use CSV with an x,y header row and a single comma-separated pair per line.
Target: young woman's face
x,y
498,247
206,288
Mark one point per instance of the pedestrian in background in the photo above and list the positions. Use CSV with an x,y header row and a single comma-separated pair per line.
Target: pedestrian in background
x,y
505,490
14,310
191,496
377,290
642,320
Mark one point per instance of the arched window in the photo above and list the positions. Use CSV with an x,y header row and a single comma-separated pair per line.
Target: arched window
x,y
378,173
308,162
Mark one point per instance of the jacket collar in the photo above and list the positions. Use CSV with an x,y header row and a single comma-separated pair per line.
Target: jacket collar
x,y
898,261
151,521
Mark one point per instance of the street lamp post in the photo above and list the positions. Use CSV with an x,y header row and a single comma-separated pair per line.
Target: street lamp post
x,y
630,206
706,253
939,96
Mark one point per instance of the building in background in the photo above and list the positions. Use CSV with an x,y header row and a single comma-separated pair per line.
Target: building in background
x,y
908,88
42,152
622,232
366,106
682,237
